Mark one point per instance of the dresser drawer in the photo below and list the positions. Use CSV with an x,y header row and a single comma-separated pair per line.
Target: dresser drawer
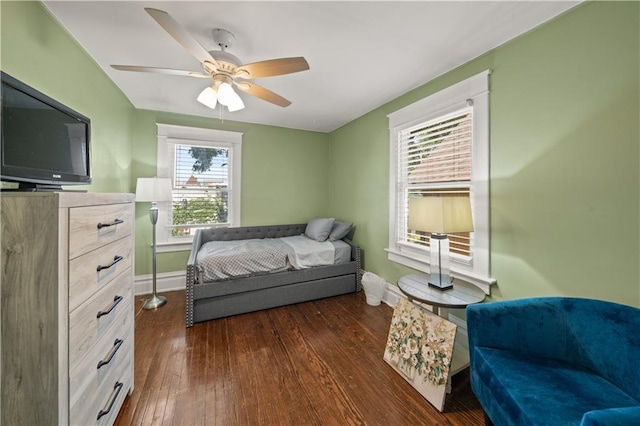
x,y
92,271
95,226
85,380
118,396
120,330
92,320
103,393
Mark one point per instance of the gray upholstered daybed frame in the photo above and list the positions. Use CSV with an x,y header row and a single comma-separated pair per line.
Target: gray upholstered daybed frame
x,y
217,299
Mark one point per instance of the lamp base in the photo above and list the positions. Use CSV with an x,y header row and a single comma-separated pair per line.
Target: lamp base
x,y
154,302
442,288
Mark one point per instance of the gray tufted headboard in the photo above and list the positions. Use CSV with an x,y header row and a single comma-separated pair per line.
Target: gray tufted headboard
x,y
248,232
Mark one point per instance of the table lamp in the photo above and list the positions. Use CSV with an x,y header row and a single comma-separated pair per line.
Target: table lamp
x,y
440,215
154,190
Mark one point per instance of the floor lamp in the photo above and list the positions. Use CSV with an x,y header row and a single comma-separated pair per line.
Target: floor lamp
x,y
440,215
154,190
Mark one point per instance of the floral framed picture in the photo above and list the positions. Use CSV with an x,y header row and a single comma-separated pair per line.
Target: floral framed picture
x,y
420,348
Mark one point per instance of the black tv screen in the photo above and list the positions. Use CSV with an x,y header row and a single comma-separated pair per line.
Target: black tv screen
x,y
45,144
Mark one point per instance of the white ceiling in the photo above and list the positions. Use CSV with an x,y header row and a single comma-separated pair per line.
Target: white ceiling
x,y
362,54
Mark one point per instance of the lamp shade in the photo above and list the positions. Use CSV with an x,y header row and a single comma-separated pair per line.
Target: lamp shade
x,y
208,97
236,103
440,214
225,93
153,189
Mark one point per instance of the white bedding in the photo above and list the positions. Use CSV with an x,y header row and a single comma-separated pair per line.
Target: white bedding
x,y
307,252
218,260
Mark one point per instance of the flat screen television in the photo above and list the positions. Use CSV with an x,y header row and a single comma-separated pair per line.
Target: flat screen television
x,y
45,144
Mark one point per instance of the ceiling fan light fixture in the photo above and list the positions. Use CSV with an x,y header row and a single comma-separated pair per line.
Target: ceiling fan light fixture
x,y
208,97
228,97
225,93
236,104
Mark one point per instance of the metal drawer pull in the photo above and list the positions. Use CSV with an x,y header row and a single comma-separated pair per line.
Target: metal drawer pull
x,y
116,300
116,259
116,391
115,222
116,346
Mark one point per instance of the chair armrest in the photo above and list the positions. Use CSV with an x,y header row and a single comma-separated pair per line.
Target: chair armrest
x,y
535,326
612,417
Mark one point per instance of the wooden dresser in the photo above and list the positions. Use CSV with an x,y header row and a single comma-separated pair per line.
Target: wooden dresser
x,y
67,307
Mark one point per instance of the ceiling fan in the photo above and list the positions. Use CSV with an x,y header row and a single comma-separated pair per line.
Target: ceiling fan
x,y
225,69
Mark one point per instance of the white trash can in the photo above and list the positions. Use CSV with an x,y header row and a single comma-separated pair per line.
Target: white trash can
x,y
374,287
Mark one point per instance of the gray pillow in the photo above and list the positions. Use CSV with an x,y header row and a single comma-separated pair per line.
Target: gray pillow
x,y
340,230
319,228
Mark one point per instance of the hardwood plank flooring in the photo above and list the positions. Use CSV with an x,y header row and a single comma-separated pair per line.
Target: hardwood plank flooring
x,y
314,363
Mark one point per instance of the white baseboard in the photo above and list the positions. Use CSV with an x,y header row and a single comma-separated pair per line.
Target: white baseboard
x,y
391,295
166,281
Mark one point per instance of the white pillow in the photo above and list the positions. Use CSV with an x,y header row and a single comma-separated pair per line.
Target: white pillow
x,y
319,228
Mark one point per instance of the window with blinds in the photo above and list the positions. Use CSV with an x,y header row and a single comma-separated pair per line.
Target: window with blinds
x,y
435,159
200,188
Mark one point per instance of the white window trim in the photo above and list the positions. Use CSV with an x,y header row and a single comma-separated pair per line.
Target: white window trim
x,y
173,134
455,97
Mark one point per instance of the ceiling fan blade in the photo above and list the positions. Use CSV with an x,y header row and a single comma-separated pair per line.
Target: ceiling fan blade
x,y
155,70
262,93
272,67
181,35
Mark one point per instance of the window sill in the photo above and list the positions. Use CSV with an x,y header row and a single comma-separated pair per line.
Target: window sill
x,y
172,246
484,283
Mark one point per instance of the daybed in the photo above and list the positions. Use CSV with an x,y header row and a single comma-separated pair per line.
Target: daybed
x,y
206,300
556,361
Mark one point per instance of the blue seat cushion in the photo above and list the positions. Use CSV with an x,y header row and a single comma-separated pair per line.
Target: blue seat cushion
x,y
523,389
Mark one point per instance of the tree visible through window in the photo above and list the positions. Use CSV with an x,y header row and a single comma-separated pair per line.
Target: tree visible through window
x,y
200,188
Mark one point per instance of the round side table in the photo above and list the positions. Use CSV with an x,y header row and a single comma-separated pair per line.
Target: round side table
x,y
416,287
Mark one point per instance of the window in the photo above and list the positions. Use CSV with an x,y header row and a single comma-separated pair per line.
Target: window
x,y
200,177
435,159
204,168
438,146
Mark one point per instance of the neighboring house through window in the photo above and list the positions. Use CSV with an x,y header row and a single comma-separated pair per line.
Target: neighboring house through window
x,y
204,167
440,146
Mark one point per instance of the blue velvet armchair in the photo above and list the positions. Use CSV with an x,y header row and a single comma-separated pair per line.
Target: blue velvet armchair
x,y
556,361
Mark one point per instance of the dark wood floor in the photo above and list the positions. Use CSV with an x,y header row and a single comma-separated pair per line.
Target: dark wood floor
x,y
314,363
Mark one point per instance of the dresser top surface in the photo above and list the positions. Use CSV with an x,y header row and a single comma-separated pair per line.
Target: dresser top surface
x,y
76,199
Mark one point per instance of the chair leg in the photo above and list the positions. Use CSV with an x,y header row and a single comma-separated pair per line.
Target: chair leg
x,y
487,420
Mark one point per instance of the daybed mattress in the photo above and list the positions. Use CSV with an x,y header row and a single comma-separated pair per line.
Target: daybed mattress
x,y
219,260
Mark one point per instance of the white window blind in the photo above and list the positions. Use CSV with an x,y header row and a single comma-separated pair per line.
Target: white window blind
x,y
200,188
435,158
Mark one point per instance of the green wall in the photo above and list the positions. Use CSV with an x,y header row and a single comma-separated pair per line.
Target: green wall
x,y
35,50
565,160
285,176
